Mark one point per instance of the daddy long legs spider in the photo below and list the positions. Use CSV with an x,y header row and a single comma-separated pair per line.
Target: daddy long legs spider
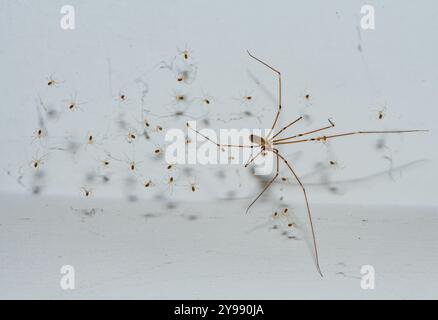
x,y
270,143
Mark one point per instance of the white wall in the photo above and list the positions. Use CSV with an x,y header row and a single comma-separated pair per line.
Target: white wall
x,y
314,44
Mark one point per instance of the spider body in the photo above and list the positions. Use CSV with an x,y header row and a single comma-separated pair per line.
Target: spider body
x,y
264,144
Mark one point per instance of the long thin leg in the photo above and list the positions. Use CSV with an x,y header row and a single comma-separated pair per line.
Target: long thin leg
x,y
279,91
219,144
284,128
325,138
250,160
306,133
269,183
308,211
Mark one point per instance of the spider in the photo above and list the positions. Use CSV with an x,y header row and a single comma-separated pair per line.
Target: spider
x,y
381,113
270,142
149,183
121,97
186,54
37,162
51,82
39,134
186,76
170,183
245,99
206,99
73,104
131,135
87,191
193,184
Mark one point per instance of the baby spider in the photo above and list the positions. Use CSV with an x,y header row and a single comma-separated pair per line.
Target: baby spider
x,y
306,98
93,139
334,163
39,134
90,139
105,163
51,82
245,99
286,179
148,183
146,123
73,104
131,135
158,151
37,161
86,191
158,128
170,183
271,143
188,140
171,167
186,54
121,97
381,114
179,98
193,185
188,75
132,165
206,100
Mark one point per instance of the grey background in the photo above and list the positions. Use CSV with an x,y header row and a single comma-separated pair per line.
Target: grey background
x,y
314,43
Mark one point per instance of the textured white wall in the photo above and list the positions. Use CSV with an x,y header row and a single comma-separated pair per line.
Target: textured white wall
x,y
314,43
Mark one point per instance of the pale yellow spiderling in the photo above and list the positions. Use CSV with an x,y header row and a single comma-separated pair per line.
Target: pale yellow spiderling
x,y
131,135
194,187
39,134
186,53
121,97
380,114
90,139
171,166
180,98
37,161
87,192
52,82
132,166
105,162
148,183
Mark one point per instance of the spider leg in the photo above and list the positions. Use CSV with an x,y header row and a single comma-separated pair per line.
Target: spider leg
x,y
308,211
250,160
325,138
284,128
279,90
219,144
269,183
308,132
